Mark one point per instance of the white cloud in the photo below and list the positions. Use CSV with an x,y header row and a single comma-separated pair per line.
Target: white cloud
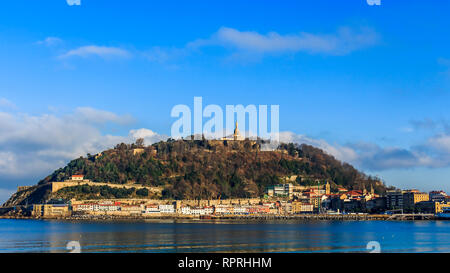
x,y
344,41
149,136
434,153
441,143
35,145
93,115
50,41
340,152
6,103
94,50
73,2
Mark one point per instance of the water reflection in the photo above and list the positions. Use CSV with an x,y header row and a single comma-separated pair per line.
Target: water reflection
x,y
224,236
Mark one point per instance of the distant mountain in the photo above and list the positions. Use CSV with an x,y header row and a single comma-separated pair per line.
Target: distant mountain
x,y
204,169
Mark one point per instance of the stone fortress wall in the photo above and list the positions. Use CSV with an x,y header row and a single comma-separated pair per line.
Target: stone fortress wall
x,y
56,186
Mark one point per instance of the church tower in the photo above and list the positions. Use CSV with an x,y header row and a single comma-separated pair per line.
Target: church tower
x,y
327,188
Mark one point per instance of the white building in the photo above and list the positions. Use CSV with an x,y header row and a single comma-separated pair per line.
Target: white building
x,y
221,209
77,177
167,208
186,210
240,210
152,209
84,207
106,207
198,211
209,210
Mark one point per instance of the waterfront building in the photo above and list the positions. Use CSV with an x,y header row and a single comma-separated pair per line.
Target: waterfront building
x,y
300,207
186,210
209,210
438,196
221,209
167,208
83,207
198,211
106,207
352,205
394,199
266,209
425,207
152,209
439,207
239,210
376,204
51,210
411,197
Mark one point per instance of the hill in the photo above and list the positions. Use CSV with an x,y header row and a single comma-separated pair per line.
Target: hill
x,y
200,169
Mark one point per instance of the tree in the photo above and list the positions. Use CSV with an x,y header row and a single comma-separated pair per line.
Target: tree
x,y
140,142
142,192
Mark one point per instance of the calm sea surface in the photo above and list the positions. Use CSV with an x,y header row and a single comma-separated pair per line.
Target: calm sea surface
x,y
224,236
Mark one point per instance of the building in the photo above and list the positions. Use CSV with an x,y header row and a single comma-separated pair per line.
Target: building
x,y
77,177
198,211
167,208
186,210
352,205
106,207
425,207
438,196
138,151
209,210
438,207
394,199
283,190
300,207
376,204
83,207
222,209
152,209
411,197
240,210
22,188
51,210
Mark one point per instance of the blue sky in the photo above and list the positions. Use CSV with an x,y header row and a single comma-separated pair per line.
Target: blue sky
x,y
369,84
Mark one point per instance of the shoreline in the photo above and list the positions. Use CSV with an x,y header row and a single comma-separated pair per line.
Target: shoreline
x,y
314,217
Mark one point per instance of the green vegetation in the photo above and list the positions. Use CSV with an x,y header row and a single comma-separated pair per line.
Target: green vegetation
x,y
98,192
202,169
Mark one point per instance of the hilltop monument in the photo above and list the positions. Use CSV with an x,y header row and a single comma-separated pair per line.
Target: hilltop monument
x,y
236,135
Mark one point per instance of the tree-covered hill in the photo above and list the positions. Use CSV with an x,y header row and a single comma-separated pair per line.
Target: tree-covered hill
x,y
200,169
205,169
